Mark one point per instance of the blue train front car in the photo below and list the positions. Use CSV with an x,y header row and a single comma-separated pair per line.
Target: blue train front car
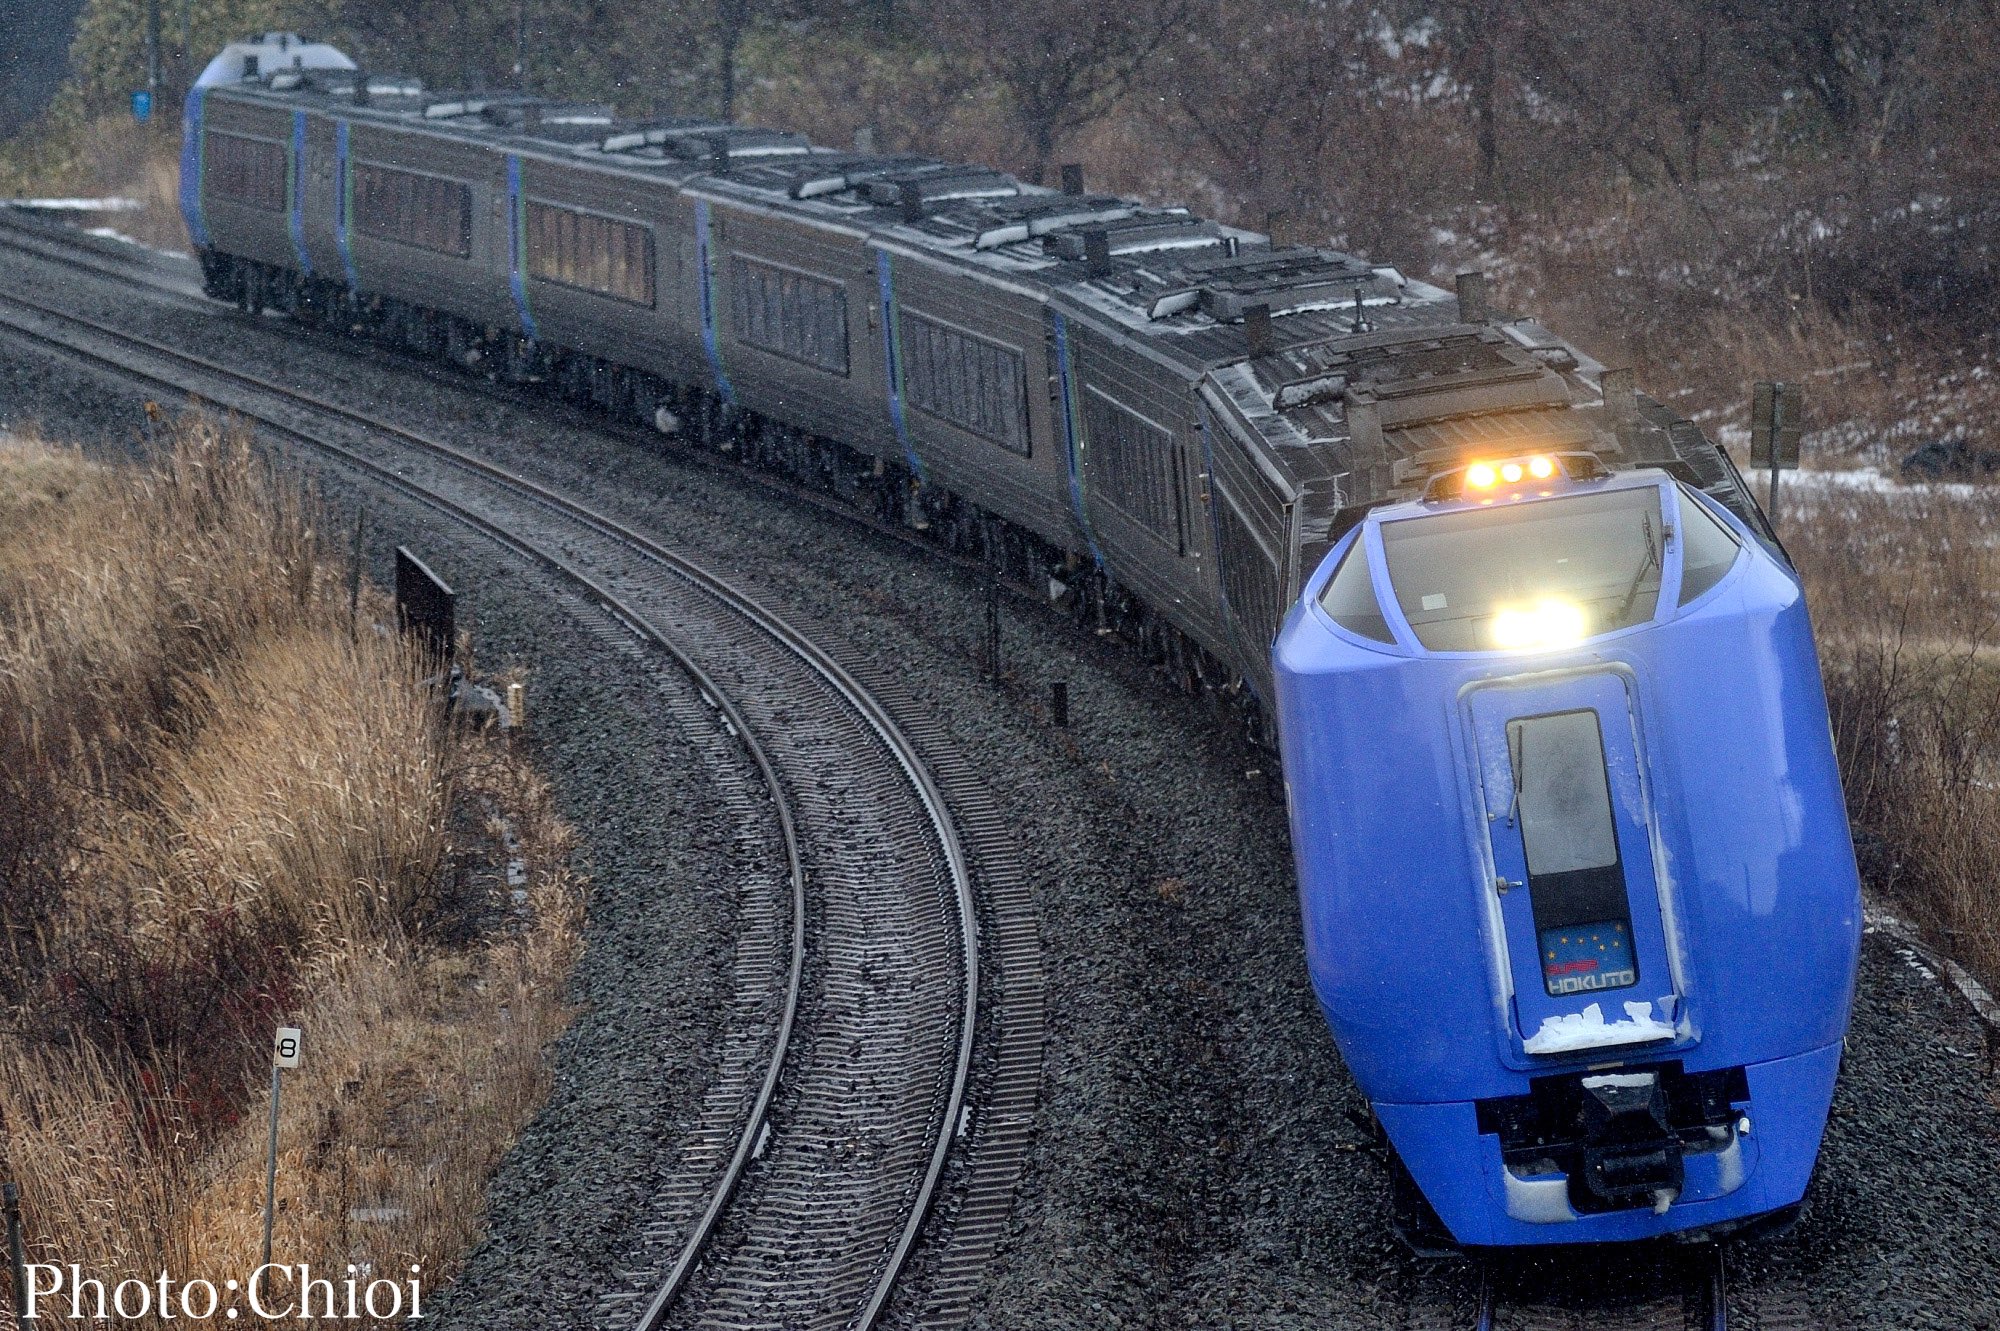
x,y
1579,898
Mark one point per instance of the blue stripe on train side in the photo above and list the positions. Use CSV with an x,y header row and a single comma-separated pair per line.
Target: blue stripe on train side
x,y
343,206
298,193
892,362
709,342
1072,439
517,242
194,116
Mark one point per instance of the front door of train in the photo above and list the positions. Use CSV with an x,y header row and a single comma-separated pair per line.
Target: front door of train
x,y
1584,931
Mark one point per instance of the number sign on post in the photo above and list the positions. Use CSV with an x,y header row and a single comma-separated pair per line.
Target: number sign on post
x,y
286,1047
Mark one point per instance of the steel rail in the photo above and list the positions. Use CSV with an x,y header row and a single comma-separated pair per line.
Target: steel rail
x,y
861,700
1704,1300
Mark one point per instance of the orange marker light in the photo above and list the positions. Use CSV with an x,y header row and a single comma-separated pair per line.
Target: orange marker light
x,y
1479,476
1510,472
1541,468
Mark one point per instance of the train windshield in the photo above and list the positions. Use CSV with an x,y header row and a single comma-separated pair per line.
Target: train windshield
x,y
1529,576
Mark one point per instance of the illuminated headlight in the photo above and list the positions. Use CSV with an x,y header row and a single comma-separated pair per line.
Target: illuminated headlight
x,y
1547,623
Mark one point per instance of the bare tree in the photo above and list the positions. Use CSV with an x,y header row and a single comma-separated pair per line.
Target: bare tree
x,y
1061,65
1853,57
1646,84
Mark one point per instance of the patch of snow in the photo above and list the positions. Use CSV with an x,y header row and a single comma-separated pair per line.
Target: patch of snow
x,y
1589,1030
112,233
114,204
1877,482
1875,919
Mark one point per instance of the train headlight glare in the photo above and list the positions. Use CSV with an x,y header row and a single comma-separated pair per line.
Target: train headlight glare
x,y
1480,476
1510,472
1541,468
1547,623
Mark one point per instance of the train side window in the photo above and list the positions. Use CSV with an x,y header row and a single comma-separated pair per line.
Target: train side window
x,y
1134,463
605,256
245,170
1708,551
1249,574
429,212
790,314
1350,600
979,386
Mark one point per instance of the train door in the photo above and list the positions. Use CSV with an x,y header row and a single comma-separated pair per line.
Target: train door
x,y
1585,928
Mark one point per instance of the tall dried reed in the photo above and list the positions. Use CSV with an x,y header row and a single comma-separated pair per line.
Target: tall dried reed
x,y
1905,590
224,804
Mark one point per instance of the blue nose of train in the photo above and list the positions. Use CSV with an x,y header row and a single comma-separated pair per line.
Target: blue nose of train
x,y
1580,904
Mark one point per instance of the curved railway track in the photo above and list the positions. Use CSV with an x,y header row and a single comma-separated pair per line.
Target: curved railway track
x,y
824,1144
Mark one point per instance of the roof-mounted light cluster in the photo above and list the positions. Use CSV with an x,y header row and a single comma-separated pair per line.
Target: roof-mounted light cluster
x,y
1525,476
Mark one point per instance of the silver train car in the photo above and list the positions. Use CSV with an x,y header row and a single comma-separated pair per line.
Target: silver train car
x,y
1170,418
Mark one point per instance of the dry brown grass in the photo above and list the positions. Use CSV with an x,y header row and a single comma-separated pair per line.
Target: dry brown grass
x,y
108,157
1905,590
224,806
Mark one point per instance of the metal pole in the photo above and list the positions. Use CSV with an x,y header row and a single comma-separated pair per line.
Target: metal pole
x,y
1059,703
271,1166
10,1196
993,619
354,571
521,45
153,46
1775,469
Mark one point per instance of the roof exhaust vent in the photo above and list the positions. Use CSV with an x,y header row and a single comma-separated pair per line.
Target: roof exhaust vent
x,y
1472,306
531,118
1369,459
1096,253
864,140
718,155
361,87
911,195
1257,331
1072,178
1621,399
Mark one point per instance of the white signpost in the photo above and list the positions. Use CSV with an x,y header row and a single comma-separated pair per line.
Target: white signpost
x,y
285,1048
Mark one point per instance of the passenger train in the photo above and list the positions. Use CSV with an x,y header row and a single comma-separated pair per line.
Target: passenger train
x,y
1579,899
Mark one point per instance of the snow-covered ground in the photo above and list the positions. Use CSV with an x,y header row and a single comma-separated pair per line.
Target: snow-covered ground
x,y
113,204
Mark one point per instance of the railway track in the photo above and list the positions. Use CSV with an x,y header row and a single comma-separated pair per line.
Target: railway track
x,y
844,1119
1647,1289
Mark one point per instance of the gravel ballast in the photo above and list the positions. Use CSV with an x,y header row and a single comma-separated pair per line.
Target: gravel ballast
x,y
1201,1157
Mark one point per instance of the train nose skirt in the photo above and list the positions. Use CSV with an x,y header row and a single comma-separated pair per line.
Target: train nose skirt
x,y
1583,1144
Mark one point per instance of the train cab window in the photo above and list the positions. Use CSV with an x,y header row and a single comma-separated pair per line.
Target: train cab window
x,y
1537,574
591,252
790,314
1349,598
1576,882
245,170
1708,550
429,212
